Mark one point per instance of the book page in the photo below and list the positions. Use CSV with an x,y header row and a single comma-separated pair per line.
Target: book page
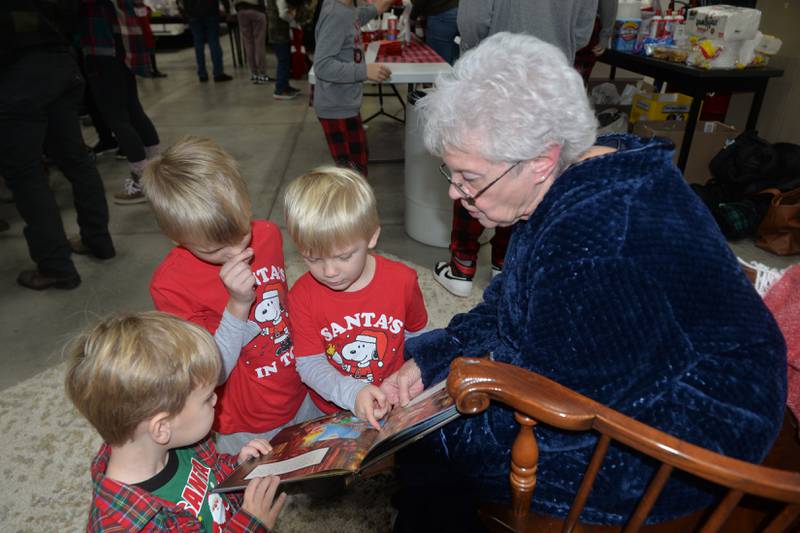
x,y
282,467
427,405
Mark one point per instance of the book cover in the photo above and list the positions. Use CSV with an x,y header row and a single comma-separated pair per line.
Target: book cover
x,y
342,444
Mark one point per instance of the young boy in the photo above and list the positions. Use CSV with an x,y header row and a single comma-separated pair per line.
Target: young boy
x,y
146,381
227,275
340,69
353,310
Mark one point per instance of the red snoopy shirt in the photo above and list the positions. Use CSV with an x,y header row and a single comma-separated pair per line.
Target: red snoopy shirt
x,y
362,333
264,390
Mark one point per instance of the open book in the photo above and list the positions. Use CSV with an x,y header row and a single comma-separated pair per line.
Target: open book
x,y
341,444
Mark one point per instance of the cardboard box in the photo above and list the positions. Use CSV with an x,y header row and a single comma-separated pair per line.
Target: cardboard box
x,y
709,138
660,106
730,23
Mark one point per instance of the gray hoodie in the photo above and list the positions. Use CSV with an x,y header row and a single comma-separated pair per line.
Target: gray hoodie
x,y
566,24
340,64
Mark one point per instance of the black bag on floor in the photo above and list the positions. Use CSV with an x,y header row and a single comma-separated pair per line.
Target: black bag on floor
x,y
747,160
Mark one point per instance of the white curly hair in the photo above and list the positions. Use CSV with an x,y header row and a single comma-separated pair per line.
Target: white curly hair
x,y
509,99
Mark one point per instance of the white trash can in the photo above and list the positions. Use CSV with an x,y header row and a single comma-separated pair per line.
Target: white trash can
x,y
429,211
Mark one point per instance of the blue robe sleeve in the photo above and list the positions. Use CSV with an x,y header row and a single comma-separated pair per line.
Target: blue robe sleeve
x,y
469,334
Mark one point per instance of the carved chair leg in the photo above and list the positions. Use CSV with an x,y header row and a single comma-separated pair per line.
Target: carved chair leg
x,y
524,459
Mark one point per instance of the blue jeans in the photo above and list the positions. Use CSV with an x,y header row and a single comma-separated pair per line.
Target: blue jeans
x,y
206,29
440,31
283,54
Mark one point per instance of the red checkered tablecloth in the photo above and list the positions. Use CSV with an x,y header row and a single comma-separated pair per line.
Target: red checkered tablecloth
x,y
414,52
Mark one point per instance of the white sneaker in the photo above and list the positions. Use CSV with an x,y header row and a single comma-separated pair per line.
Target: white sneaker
x,y
456,283
765,276
496,270
131,193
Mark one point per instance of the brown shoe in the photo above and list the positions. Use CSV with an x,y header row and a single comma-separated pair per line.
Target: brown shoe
x,y
33,279
77,246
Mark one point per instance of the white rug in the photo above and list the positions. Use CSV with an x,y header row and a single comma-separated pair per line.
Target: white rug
x,y
46,449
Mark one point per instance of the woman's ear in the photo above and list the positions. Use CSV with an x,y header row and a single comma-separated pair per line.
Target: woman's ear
x,y
546,164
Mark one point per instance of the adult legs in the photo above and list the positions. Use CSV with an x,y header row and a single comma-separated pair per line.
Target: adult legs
x,y
197,26
260,36
211,24
39,99
283,54
247,29
440,32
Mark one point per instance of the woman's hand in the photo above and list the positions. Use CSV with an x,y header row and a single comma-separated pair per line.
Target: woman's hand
x,y
371,405
254,448
404,384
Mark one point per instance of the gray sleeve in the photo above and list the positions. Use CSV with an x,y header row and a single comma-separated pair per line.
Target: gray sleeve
x,y
317,373
474,21
584,24
608,14
366,13
327,66
232,334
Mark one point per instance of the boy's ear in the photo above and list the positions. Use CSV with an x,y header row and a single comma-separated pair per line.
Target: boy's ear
x,y
373,241
160,428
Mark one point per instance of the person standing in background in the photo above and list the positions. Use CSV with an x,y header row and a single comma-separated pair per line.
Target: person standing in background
x,y
566,24
114,48
441,25
40,92
586,57
280,14
252,18
203,18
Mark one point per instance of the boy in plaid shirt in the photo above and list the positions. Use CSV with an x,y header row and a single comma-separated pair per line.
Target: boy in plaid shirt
x,y
340,69
146,381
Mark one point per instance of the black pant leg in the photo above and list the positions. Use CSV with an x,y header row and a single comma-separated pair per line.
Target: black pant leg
x,y
64,142
139,119
27,89
110,87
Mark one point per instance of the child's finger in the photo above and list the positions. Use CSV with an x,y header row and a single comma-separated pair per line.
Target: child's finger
x,y
276,508
371,418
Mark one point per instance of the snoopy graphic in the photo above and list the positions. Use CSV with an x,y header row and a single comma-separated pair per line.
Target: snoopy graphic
x,y
269,314
364,356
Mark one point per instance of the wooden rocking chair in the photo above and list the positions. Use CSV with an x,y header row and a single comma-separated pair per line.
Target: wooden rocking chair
x,y
473,383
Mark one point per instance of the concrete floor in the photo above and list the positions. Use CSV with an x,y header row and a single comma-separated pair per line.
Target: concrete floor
x,y
273,141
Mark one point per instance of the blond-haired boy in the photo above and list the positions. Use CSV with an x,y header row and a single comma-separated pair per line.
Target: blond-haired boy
x,y
352,311
146,381
227,275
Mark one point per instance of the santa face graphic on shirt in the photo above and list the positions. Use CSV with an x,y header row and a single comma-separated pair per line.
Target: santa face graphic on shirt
x,y
269,315
362,357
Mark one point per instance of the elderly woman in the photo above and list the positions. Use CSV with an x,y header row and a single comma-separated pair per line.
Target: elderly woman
x,y
617,284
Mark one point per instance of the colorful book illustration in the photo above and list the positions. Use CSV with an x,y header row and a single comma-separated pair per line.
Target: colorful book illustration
x,y
343,444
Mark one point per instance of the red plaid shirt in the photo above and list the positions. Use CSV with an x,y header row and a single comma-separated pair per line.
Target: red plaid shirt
x,y
107,24
117,507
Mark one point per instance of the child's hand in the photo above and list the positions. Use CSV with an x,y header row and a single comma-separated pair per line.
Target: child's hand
x,y
378,72
254,448
240,282
259,500
371,405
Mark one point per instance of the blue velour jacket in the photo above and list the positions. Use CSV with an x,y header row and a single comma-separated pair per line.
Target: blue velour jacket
x,y
621,287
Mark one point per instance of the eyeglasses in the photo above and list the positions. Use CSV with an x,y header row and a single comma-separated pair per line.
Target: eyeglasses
x,y
468,196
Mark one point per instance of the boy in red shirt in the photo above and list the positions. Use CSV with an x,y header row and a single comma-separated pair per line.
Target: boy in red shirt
x,y
353,310
227,275
145,381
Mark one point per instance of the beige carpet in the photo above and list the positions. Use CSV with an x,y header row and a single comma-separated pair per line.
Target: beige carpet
x,y
47,449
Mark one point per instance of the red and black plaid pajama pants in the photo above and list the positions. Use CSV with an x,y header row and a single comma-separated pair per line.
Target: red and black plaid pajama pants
x,y
347,142
464,243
